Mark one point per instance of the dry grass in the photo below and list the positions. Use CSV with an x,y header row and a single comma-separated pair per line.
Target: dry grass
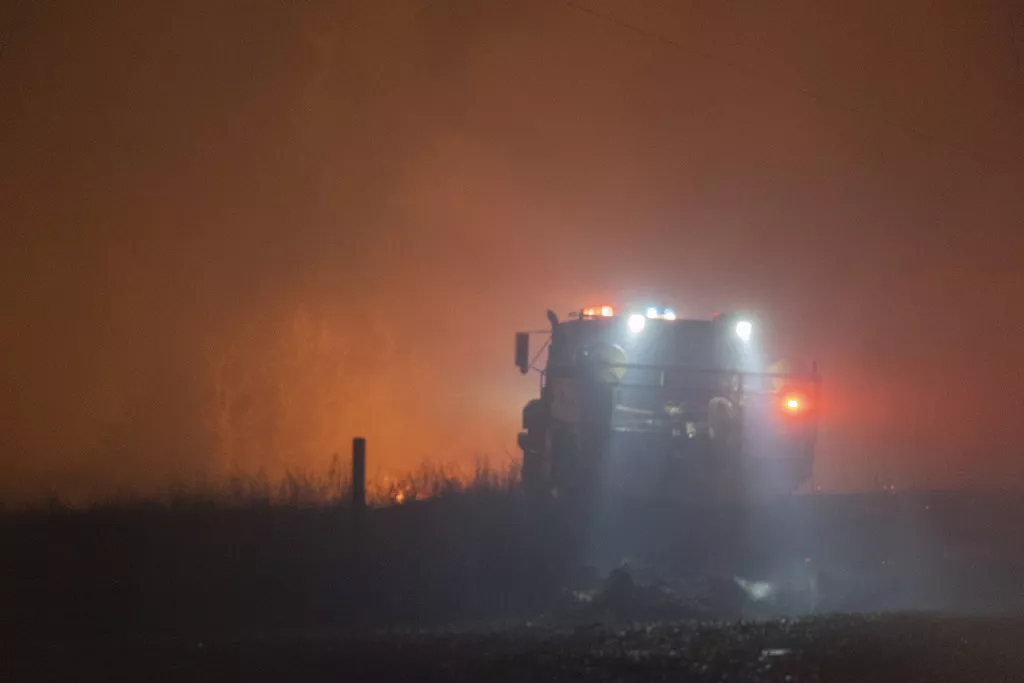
x,y
302,489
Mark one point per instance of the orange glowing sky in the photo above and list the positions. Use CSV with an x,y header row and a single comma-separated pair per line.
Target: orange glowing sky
x,y
234,236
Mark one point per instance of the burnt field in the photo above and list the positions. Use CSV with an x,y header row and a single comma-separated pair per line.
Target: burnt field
x,y
897,648
479,556
500,584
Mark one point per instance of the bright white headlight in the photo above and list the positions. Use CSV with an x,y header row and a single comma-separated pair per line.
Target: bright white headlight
x,y
744,329
636,323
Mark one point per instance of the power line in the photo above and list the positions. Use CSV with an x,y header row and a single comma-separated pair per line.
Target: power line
x,y
765,77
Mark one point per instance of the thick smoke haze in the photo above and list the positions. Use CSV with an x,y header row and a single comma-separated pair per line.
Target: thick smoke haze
x,y
235,235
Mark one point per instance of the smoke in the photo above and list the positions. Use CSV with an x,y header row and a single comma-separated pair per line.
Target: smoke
x,y
235,239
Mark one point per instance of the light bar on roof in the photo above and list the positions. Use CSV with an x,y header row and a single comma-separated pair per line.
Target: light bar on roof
x,y
653,313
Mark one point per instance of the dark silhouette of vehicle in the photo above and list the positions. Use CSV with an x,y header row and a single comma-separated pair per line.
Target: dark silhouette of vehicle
x,y
654,404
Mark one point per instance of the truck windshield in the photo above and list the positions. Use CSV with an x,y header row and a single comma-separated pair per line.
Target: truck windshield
x,y
680,343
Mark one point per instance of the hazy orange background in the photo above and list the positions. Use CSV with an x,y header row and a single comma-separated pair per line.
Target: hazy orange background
x,y
237,234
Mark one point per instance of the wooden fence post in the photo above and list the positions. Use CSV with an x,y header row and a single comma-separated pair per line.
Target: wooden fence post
x,y
358,473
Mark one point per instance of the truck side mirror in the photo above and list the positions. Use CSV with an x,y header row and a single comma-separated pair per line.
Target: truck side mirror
x,y
523,352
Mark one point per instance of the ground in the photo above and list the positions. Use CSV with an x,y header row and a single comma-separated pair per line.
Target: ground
x,y
875,648
477,588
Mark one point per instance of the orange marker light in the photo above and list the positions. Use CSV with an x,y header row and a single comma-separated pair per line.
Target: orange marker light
x,y
602,311
792,404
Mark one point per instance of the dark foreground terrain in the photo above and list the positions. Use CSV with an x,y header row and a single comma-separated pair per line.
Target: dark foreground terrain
x,y
878,649
487,586
473,558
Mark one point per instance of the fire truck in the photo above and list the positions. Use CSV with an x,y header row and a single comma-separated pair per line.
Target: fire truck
x,y
652,403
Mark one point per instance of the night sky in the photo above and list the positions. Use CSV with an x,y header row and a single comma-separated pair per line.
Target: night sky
x,y
236,234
